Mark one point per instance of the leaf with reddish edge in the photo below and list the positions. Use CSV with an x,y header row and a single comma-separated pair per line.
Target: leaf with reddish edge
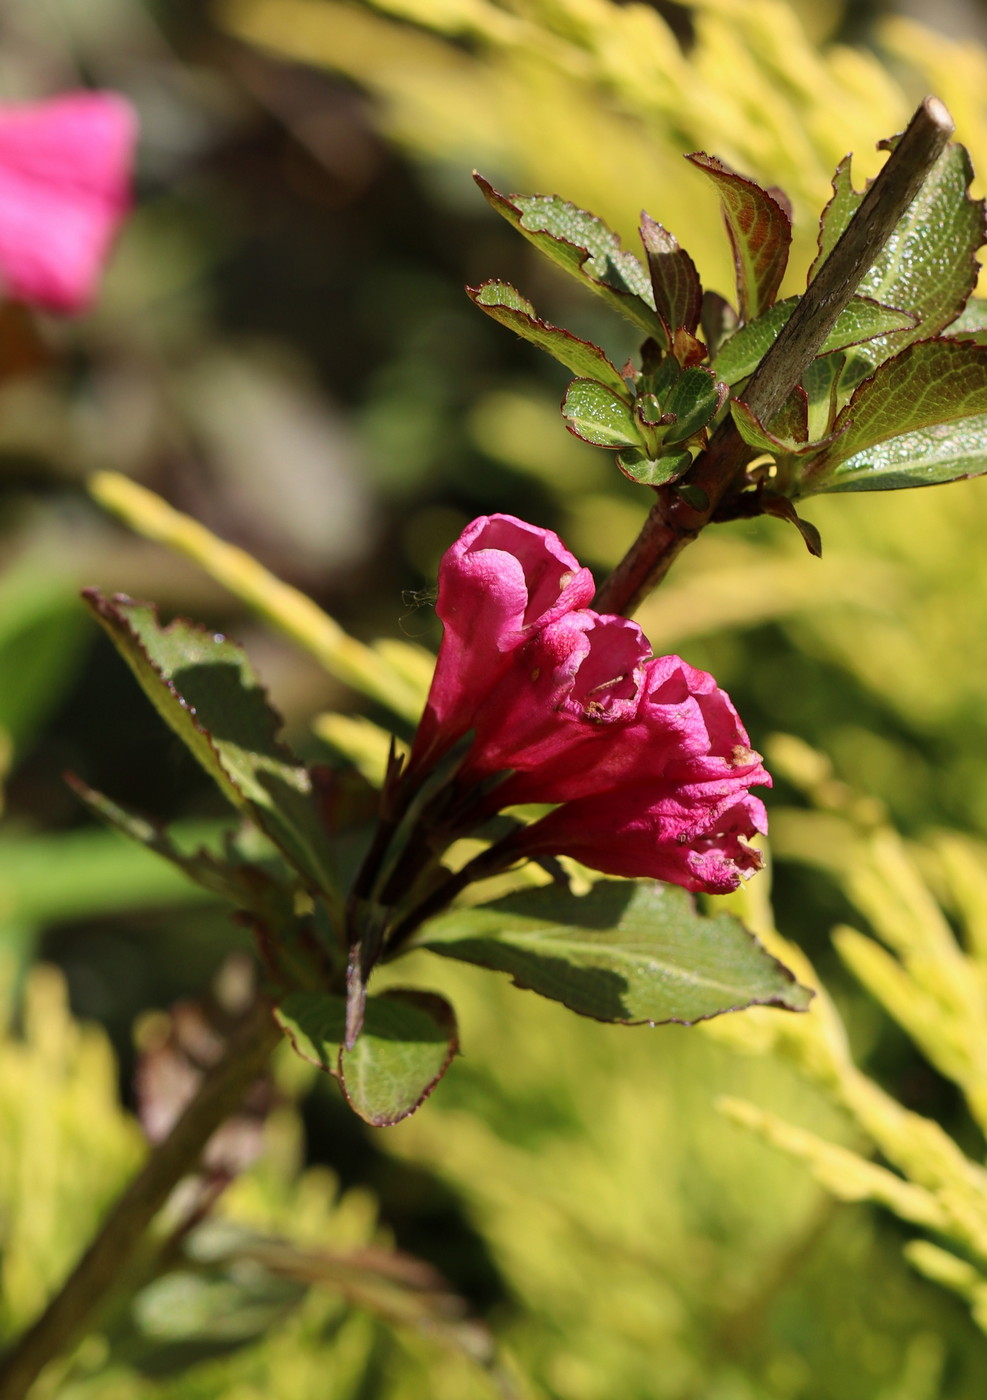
x,y
930,383
778,439
630,952
929,457
408,1041
862,319
653,471
583,246
674,279
760,231
688,350
595,414
505,304
204,688
971,323
929,264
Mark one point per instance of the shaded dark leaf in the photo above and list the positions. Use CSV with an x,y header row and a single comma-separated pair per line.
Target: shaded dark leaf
x,y
627,951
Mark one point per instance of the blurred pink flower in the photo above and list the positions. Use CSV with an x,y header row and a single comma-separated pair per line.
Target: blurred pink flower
x,y
646,755
65,172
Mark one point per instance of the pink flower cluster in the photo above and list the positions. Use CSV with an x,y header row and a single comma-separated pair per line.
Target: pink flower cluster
x,y
65,168
645,755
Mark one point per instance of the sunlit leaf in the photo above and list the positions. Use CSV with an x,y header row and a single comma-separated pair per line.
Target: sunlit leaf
x,y
506,305
693,399
935,382
675,282
653,471
582,244
760,231
930,457
929,264
626,951
595,414
971,323
863,318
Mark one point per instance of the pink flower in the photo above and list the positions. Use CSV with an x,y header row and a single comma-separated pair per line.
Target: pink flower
x,y
646,755
65,170
499,583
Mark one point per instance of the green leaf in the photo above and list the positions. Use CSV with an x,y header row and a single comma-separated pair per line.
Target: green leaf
x,y
506,305
653,471
931,383
585,247
694,398
860,321
821,383
675,282
244,883
595,414
760,231
929,264
407,1043
630,952
788,433
971,323
203,686
930,457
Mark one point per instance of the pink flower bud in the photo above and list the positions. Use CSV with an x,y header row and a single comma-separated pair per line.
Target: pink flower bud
x,y
65,170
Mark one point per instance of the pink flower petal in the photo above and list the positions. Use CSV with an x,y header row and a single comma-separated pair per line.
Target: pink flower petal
x,y
501,581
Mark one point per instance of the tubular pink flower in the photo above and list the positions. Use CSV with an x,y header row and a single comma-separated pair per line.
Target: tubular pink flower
x,y
65,172
696,838
499,583
646,756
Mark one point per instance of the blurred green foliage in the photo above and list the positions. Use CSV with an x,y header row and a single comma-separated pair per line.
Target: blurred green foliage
x,y
283,350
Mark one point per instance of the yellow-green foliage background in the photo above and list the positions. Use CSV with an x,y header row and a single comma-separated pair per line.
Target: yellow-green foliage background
x,y
283,350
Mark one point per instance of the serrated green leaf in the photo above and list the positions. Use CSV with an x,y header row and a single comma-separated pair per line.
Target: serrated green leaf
x,y
930,457
595,414
585,247
929,264
506,305
740,356
653,471
675,282
629,952
407,1043
934,382
203,686
760,231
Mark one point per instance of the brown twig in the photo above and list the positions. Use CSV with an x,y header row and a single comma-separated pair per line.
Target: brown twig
x,y
672,522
